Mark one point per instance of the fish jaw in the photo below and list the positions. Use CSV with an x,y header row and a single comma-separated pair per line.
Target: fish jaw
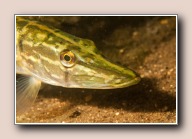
x,y
96,72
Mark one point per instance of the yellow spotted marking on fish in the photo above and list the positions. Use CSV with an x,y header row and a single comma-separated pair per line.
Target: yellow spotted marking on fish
x,y
28,43
49,55
41,36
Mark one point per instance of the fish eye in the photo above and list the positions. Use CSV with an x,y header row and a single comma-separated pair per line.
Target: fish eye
x,y
67,58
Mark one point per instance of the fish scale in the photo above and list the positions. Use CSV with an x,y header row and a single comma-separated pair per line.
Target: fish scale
x,y
45,54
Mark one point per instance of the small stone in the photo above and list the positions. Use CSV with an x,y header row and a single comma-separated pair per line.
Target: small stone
x,y
150,71
117,113
164,21
135,33
142,75
75,114
38,109
121,51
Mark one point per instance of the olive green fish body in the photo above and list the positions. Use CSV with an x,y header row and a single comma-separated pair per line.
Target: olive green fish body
x,y
52,56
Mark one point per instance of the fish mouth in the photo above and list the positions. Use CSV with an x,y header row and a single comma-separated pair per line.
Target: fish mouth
x,y
100,74
134,81
96,84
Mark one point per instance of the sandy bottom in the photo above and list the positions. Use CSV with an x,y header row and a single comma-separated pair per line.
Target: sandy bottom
x,y
147,45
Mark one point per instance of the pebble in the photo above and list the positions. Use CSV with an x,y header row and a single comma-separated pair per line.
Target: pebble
x,y
142,75
38,109
164,21
150,71
135,33
75,114
170,71
121,51
161,70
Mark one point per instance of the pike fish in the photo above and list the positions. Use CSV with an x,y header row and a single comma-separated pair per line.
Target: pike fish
x,y
49,55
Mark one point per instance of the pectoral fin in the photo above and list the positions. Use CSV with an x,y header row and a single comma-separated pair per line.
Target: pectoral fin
x,y
27,88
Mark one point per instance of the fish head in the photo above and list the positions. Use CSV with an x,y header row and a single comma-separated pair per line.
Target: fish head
x,y
61,59
85,67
